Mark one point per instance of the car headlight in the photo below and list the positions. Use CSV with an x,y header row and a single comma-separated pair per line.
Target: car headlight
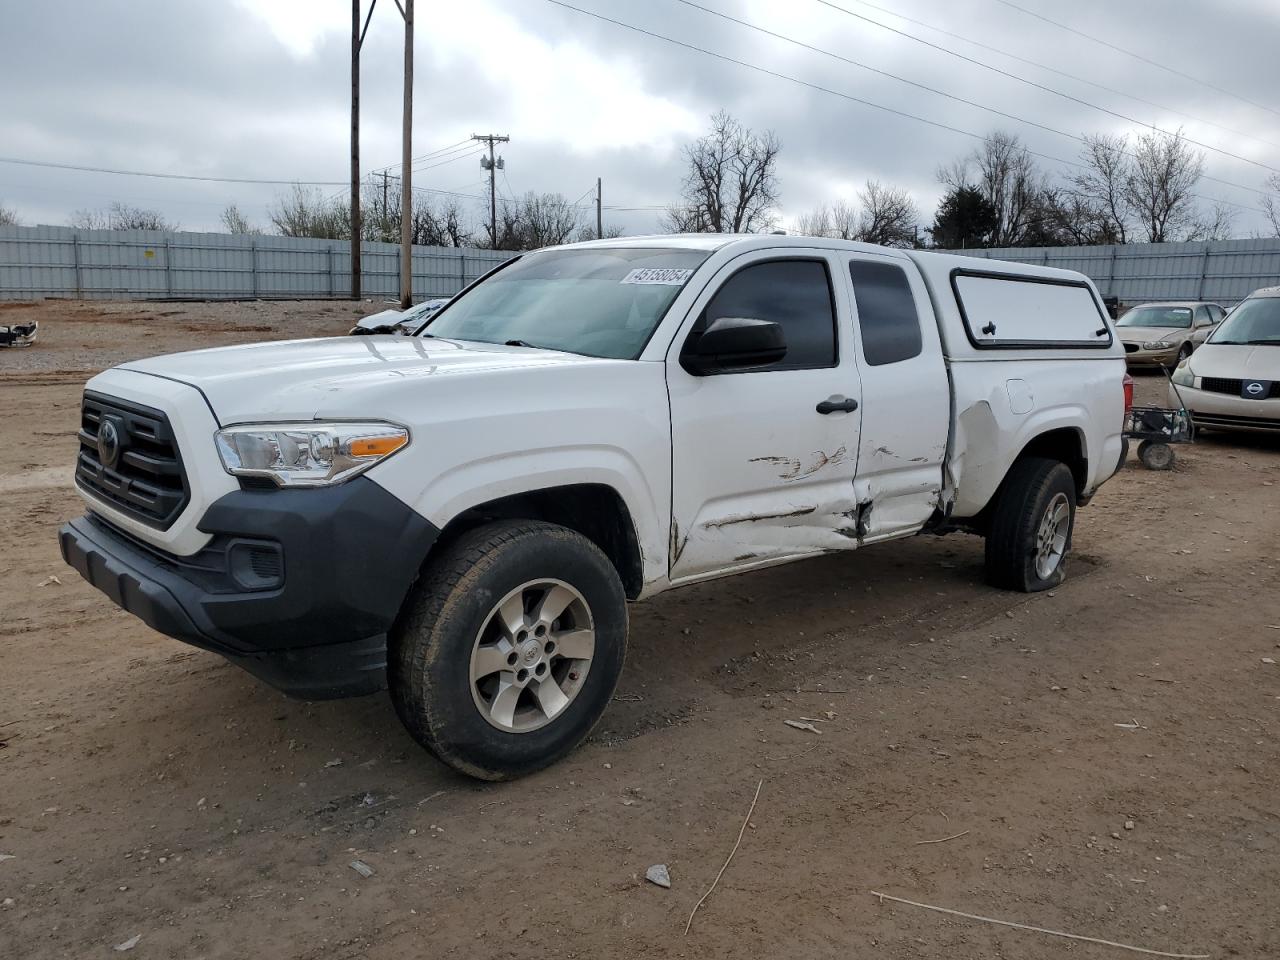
x,y
307,454
1158,345
1183,376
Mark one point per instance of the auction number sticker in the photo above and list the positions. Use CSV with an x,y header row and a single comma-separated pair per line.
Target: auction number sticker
x,y
667,276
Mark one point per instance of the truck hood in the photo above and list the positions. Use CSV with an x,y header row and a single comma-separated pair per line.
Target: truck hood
x,y
339,376
1237,361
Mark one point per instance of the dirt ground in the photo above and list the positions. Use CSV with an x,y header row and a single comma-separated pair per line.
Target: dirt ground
x,y
1101,759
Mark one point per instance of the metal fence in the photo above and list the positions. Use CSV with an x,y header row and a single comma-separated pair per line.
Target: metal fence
x,y
154,265
1223,271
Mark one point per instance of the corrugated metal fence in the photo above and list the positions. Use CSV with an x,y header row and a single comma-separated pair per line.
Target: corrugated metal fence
x,y
1223,271
146,264
154,265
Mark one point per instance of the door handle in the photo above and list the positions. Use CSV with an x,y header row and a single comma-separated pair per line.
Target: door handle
x,y
837,404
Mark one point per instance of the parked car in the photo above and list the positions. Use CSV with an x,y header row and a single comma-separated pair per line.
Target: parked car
x,y
1233,381
463,514
1165,334
398,321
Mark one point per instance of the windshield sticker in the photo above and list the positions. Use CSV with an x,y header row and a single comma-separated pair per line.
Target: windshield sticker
x,y
667,276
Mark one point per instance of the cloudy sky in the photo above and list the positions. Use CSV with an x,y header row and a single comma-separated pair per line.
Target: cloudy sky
x,y
259,89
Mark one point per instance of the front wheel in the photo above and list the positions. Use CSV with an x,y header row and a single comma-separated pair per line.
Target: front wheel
x,y
1031,526
510,649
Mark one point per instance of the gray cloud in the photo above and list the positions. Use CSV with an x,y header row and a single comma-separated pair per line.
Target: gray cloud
x,y
211,89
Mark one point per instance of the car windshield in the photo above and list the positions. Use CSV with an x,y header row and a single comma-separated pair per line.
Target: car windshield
x,y
597,301
1254,321
1156,317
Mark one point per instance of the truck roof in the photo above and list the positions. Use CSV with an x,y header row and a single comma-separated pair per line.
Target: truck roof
x,y
935,265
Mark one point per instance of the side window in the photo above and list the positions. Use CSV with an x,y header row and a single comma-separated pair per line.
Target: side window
x,y
1202,316
1216,313
793,293
886,312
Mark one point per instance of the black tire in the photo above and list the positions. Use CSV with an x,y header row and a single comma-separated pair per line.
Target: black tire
x,y
432,642
1155,455
1032,485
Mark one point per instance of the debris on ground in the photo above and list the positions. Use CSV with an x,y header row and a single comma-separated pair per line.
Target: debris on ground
x,y
660,875
128,944
8,856
802,726
362,868
48,580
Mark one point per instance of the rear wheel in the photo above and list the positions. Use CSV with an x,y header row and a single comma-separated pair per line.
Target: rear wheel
x,y
510,649
1031,526
1155,455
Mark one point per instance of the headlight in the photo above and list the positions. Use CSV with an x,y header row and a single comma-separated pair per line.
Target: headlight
x,y
1183,376
307,454
1158,345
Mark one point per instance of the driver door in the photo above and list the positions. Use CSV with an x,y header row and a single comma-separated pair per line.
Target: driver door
x,y
763,458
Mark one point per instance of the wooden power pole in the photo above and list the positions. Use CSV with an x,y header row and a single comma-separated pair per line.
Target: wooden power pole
x,y
406,162
357,41
493,166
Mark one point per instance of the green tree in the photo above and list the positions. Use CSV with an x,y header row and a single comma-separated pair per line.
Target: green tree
x,y
965,219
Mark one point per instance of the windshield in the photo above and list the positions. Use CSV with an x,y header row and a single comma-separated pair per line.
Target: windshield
x,y
1156,317
1254,321
601,302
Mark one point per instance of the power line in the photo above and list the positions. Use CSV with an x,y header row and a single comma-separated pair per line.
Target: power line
x,y
1046,89
1138,56
836,93
934,90
170,176
1063,73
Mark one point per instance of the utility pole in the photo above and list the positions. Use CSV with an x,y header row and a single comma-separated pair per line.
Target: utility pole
x,y
357,41
385,212
599,213
406,163
493,166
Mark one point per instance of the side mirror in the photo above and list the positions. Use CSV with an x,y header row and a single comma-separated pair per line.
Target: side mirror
x,y
734,343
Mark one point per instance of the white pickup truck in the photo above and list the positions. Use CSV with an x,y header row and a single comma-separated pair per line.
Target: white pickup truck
x,y
462,515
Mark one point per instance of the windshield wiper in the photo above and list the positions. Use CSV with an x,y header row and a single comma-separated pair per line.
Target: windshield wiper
x,y
521,343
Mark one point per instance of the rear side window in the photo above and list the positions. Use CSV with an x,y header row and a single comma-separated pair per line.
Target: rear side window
x,y
886,312
1215,313
1012,312
1202,316
793,293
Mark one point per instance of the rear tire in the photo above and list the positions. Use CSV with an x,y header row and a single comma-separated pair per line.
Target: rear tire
x,y
509,649
1031,526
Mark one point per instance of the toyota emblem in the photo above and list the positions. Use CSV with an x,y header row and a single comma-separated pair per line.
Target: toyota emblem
x,y
1253,388
108,444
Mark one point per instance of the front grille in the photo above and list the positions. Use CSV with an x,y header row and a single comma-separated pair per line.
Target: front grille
x,y
1236,387
143,475
1224,420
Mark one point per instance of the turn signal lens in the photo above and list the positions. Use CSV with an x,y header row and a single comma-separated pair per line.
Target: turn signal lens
x,y
376,446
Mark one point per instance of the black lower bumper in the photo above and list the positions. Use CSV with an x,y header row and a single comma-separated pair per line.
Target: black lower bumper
x,y
311,619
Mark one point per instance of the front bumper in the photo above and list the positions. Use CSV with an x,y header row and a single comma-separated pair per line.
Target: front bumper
x,y
311,622
1222,411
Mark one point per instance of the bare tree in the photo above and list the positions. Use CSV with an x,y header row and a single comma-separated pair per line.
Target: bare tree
x,y
537,220
121,216
1006,175
1160,184
9,218
588,232
732,182
1101,187
1270,204
306,212
888,217
440,226
1219,224
236,222
838,221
